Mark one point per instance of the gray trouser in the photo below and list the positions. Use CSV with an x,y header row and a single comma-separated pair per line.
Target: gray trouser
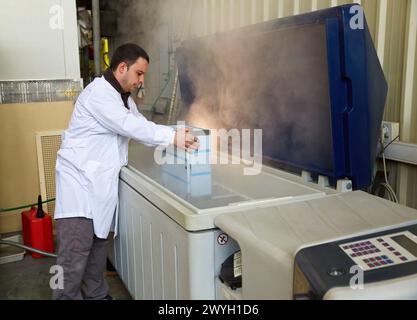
x,y
83,258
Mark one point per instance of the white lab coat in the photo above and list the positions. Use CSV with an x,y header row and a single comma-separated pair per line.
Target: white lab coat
x,y
94,148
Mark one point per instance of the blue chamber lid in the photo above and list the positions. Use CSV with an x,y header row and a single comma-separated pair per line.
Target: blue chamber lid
x,y
312,83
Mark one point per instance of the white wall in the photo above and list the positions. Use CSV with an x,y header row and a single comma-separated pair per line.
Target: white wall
x,y
38,40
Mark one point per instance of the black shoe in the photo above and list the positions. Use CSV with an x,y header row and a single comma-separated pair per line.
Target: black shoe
x,y
108,297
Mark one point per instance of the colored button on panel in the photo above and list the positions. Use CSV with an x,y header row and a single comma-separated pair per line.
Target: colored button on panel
x,y
391,249
404,259
380,240
397,254
370,265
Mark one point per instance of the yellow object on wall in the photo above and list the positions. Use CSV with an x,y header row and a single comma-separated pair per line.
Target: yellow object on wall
x,y
105,61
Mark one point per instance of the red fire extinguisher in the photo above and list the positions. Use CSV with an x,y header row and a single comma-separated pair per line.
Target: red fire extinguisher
x,y
37,230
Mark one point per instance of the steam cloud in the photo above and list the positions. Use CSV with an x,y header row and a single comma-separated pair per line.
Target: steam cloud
x,y
259,78
275,80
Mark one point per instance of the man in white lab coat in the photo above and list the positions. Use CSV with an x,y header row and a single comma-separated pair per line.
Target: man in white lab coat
x,y
94,149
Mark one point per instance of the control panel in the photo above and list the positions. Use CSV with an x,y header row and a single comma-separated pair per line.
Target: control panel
x,y
383,251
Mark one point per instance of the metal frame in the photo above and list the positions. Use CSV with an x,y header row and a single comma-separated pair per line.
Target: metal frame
x,y
402,152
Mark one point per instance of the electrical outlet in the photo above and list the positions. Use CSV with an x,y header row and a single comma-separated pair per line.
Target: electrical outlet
x,y
390,131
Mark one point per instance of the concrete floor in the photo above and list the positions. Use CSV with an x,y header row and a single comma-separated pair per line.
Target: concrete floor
x,y
28,279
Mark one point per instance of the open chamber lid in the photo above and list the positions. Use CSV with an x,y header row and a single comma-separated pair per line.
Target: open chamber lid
x,y
313,83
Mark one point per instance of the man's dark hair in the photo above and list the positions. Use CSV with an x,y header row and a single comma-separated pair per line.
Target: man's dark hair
x,y
127,53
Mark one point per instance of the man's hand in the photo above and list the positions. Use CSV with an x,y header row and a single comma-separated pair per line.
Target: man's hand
x,y
185,140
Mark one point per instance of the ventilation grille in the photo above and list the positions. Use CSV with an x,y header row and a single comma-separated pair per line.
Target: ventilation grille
x,y
48,144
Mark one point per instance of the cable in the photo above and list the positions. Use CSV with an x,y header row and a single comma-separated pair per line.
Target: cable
x,y
24,207
387,185
386,147
15,244
391,193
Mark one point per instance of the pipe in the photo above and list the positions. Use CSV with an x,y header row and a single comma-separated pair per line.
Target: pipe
x,y
15,244
96,36
172,110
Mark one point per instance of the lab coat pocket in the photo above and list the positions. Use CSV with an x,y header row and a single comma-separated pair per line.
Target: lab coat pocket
x,y
102,185
89,171
75,152
101,178
91,168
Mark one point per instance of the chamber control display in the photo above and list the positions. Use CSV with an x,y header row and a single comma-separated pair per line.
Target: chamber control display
x,y
384,251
